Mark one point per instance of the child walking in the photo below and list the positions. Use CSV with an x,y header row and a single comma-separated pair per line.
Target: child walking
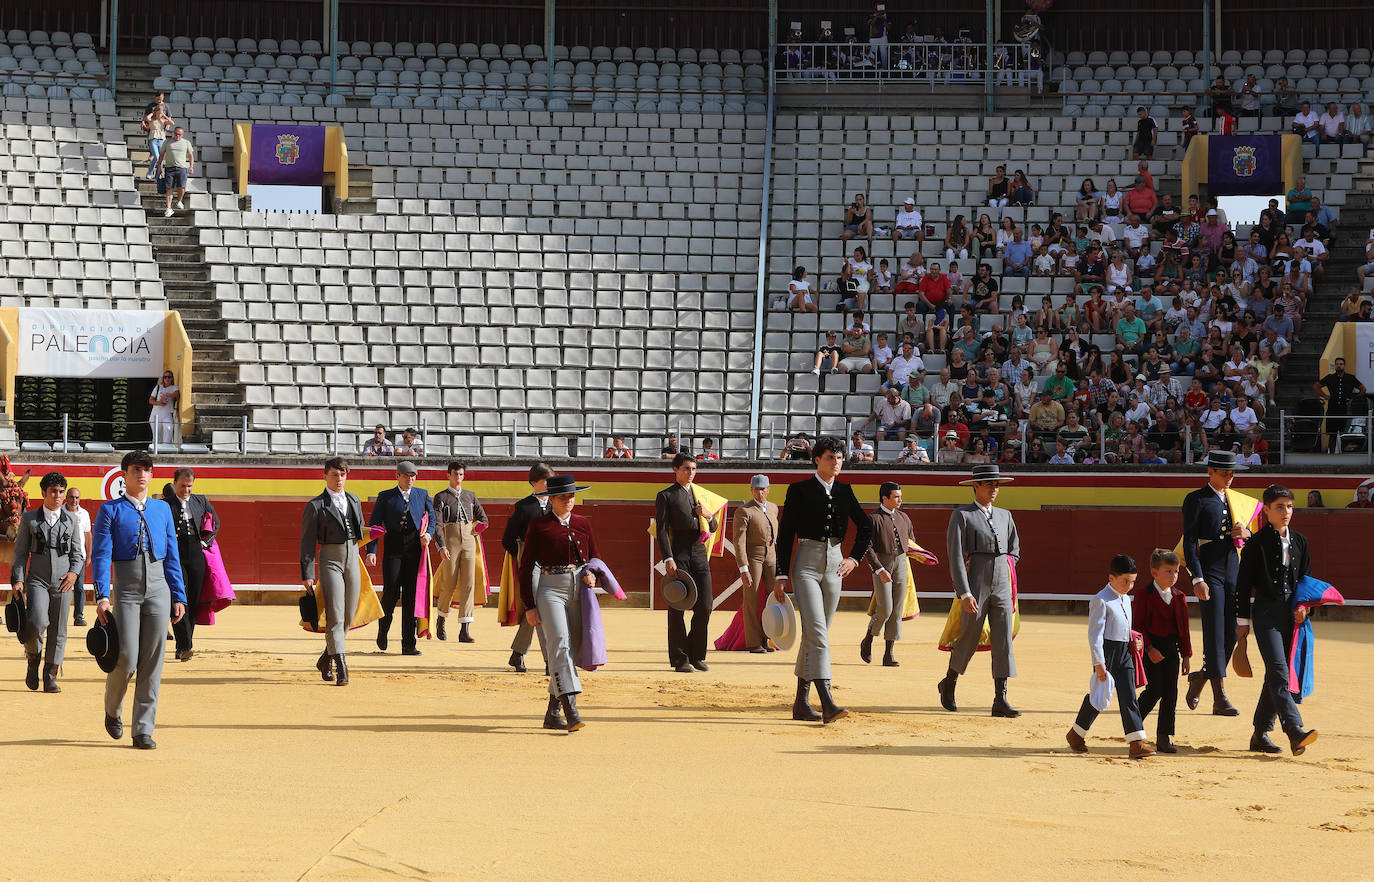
x,y
1161,615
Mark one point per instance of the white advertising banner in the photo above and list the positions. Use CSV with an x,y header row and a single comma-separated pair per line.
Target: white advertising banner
x,y
89,343
1363,368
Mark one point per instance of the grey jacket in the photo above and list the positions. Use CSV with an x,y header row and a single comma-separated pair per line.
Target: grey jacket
x,y
321,525
969,537
44,553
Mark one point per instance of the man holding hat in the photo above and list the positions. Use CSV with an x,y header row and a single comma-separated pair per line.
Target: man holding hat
x,y
983,549
892,535
755,532
136,570
407,513
1210,531
48,562
815,516
526,510
677,516
333,522
560,544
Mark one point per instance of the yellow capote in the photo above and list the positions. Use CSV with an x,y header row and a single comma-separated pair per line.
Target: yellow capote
x,y
1242,506
714,505
954,622
369,607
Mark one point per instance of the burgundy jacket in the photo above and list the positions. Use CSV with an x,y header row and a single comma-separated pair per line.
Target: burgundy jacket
x,y
1151,617
549,544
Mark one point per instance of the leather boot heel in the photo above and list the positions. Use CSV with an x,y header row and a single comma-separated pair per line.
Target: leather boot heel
x,y
801,705
340,670
324,665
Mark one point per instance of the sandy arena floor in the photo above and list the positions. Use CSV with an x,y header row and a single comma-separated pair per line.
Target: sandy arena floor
x,y
436,768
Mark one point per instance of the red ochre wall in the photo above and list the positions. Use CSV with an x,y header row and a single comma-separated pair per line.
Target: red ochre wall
x,y
1070,524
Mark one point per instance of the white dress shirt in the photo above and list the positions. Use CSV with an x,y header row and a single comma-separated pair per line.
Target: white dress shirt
x,y
1109,618
50,515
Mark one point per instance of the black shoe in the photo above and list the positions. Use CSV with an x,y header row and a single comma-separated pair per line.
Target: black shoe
x,y
439,628
1000,706
50,679
684,668
553,716
701,665
31,677
79,622
145,742
410,650
866,649
381,640
464,636
946,688
1165,744
574,719
340,670
1298,741
114,728
757,649
890,661
517,661
185,654
1260,743
801,706
325,666
830,711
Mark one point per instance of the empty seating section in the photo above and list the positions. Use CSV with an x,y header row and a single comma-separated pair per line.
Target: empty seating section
x,y
945,163
469,77
1113,84
72,231
561,272
36,64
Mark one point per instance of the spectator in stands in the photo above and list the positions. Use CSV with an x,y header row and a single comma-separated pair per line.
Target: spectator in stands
x,y
1146,135
1285,99
618,449
909,223
882,355
1088,202
1331,126
860,450
1338,389
1321,218
1130,331
858,219
1248,95
800,297
155,124
1046,415
1140,199
798,448
981,291
1314,499
1364,315
1299,198
829,351
1220,95
950,451
1165,216
1317,254
671,448
909,275
176,162
999,190
1006,233
1350,306
1022,192
893,416
162,415
1189,126
944,389
878,28
378,445
856,350
410,445
925,418
937,331
1362,498
708,450
985,237
906,368
882,280
957,239
913,452
1358,125
1018,256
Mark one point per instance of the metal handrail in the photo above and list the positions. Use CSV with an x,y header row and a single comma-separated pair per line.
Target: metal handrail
x,y
945,63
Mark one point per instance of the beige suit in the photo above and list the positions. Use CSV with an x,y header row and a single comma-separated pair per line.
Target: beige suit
x,y
458,515
754,533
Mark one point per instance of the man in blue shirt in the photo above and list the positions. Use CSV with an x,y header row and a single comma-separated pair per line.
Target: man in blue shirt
x,y
1017,260
1151,309
136,569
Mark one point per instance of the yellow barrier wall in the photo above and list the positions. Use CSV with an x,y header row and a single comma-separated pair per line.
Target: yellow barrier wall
x,y
176,357
1194,169
9,356
335,157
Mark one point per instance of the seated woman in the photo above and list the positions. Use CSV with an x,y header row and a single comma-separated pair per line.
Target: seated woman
x,y
1113,204
1088,202
1022,193
800,298
957,239
985,236
999,190
858,219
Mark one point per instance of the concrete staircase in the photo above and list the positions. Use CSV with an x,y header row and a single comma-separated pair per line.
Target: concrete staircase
x,y
217,394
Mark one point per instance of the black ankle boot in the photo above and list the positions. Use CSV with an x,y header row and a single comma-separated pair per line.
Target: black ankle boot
x,y
50,679
570,711
324,665
463,635
439,628
31,677
553,716
866,648
517,661
340,670
830,711
801,706
1000,706
946,688
888,660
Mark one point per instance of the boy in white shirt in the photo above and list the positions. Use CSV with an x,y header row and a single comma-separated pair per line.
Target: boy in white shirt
x,y
1111,647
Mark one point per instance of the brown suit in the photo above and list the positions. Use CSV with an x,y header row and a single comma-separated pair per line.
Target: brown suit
x,y
754,533
891,533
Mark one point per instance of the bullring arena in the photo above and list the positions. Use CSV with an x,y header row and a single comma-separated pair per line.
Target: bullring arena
x,y
247,237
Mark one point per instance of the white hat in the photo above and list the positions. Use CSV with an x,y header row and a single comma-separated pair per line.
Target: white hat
x,y
909,201
779,620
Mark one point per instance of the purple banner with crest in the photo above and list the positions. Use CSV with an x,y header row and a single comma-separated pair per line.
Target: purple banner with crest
x,y
289,155
1245,165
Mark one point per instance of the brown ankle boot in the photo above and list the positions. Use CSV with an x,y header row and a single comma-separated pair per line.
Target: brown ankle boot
x,y
1221,705
1140,750
50,679
1196,682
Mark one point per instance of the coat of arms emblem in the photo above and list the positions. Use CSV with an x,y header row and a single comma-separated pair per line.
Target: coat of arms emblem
x,y
288,149
1244,162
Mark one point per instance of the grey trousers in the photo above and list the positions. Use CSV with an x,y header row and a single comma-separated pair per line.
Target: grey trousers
x,y
340,583
142,604
524,632
560,627
889,599
994,604
47,612
816,587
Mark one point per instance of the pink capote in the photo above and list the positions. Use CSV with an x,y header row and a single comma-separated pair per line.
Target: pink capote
x,y
732,640
216,591
423,602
